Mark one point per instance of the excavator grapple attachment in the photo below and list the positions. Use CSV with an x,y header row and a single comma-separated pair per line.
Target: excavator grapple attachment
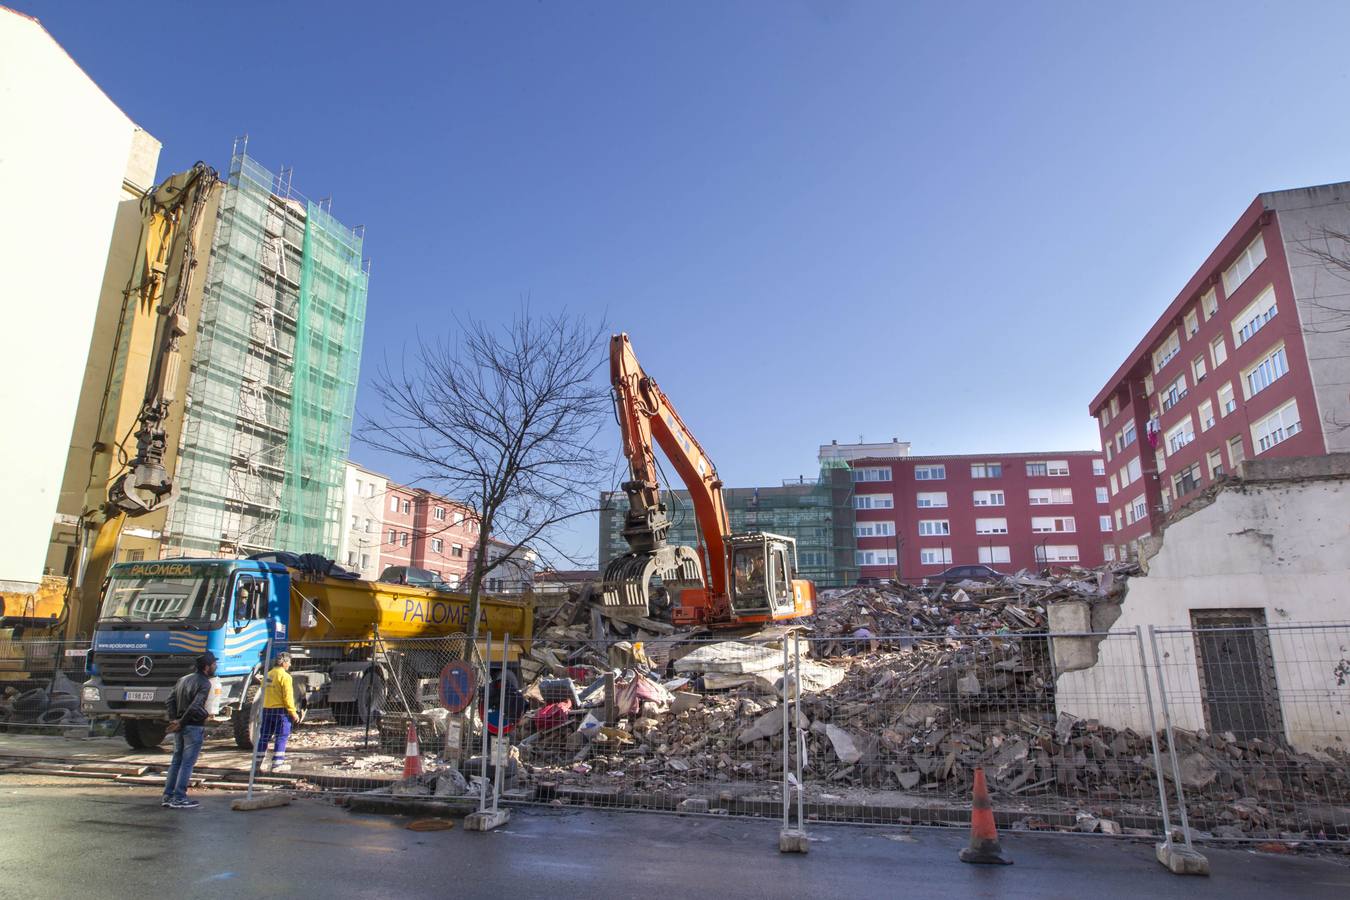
x,y
627,586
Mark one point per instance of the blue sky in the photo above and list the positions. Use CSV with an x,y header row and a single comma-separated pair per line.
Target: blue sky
x,y
946,223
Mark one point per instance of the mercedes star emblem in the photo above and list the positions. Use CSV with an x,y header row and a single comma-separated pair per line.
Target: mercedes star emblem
x,y
143,665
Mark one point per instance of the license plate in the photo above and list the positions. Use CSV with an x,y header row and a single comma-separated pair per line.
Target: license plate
x,y
140,696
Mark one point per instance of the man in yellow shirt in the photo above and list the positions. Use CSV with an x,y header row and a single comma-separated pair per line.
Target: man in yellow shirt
x,y
278,715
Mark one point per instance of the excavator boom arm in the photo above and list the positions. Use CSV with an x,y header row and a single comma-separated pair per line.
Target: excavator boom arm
x,y
646,416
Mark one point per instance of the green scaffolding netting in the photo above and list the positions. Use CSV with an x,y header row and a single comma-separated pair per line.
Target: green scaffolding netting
x,y
273,373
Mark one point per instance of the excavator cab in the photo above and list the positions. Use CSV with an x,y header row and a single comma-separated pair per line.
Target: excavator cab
x,y
762,566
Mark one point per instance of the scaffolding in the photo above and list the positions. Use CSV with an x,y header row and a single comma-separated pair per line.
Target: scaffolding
x,y
272,388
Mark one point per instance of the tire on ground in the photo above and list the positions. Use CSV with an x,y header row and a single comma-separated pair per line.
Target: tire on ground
x,y
144,734
242,719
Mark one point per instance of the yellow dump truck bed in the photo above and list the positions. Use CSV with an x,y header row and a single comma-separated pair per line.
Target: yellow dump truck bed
x,y
334,609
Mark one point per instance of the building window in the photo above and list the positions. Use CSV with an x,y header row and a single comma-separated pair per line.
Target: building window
x,y
1127,435
872,473
873,501
437,545
1180,435
928,499
393,536
356,523
1050,524
1187,480
407,507
989,498
1254,317
1047,553
1167,352
1218,351
1098,467
1109,552
873,529
1107,447
1210,303
351,558
935,556
1244,265
457,550
370,489
1055,467
1214,461
438,513
1130,472
1236,453
459,519
1103,417
1104,523
1192,321
393,504
1280,425
1198,368
1226,402
1206,415
403,539
1115,406
990,555
1118,523
1048,496
934,527
1160,460
986,470
1140,507
874,557
1174,393
991,526
1101,495
1114,484
930,473
1265,373
365,560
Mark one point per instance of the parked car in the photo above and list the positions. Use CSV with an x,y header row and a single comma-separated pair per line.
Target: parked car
x,y
967,573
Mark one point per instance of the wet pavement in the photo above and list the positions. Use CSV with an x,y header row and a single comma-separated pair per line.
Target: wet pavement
x,y
62,837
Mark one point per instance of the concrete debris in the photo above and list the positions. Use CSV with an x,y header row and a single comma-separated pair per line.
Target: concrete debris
x,y
905,689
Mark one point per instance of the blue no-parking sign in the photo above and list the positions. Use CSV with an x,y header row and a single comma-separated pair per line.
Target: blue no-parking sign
x,y
457,685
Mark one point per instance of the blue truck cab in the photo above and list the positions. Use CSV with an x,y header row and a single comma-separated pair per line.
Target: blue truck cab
x,y
156,618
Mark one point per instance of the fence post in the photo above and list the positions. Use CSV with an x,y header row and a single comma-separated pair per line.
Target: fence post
x,y
486,819
1185,860
792,840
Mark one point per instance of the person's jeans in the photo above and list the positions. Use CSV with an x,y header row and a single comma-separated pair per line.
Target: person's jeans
x,y
187,746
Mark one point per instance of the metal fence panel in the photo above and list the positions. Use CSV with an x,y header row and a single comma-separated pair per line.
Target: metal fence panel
x,y
40,684
1260,721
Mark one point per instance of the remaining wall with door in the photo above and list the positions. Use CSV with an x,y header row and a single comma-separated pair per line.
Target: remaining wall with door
x,y
1240,588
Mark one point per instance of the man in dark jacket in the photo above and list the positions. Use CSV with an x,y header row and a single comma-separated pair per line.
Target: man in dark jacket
x,y
186,707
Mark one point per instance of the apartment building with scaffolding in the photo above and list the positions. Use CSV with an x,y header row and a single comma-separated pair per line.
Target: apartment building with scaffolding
x,y
272,385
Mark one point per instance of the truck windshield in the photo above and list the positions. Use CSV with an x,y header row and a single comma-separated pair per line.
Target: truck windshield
x,y
191,597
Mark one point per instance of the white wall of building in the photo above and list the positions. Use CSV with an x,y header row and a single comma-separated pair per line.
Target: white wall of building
x,y
68,156
363,506
1277,544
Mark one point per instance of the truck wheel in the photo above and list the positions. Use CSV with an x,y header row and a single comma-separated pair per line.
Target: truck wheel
x,y
370,697
142,734
243,720
346,714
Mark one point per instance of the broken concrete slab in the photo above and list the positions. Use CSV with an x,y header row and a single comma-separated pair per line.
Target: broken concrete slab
x,y
731,657
845,745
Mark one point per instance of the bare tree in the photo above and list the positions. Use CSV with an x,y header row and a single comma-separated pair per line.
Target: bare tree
x,y
503,419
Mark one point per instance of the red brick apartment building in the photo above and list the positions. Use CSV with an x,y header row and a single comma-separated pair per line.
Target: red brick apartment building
x,y
1252,358
427,531
921,514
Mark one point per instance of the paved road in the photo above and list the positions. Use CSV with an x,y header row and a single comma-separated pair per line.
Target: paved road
x,y
76,838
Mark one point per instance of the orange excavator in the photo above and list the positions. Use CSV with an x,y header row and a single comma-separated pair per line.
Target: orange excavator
x,y
730,579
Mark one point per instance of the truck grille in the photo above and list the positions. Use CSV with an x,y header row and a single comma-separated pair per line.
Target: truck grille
x,y
120,669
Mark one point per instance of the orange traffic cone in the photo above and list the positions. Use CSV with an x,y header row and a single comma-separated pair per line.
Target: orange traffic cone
x,y
984,846
412,757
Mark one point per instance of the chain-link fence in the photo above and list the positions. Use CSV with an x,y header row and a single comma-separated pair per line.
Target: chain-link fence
x,y
40,684
1223,730
1258,725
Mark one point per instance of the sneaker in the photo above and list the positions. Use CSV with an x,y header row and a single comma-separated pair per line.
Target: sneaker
x,y
184,804
166,801
280,767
